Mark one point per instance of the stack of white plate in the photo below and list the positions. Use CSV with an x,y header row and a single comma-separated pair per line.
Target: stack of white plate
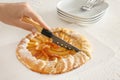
x,y
70,10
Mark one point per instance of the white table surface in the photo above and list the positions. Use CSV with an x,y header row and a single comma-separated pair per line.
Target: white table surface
x,y
106,32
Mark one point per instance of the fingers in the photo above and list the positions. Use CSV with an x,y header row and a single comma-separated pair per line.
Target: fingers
x,y
25,26
38,19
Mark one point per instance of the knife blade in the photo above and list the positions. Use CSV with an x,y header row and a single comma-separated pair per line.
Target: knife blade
x,y
58,40
49,34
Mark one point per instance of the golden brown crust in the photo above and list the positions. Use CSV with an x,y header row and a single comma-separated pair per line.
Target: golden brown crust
x,y
59,63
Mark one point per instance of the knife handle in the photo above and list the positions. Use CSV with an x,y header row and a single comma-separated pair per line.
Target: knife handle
x,y
37,26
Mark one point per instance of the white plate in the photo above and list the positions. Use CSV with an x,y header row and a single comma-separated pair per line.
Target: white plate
x,y
72,20
73,7
78,22
12,69
58,10
79,19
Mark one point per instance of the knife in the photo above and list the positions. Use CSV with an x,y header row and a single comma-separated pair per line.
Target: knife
x,y
49,34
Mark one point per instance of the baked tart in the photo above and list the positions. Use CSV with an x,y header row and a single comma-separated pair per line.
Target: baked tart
x,y
38,53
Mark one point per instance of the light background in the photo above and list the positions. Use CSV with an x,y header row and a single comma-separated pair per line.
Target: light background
x,y
104,36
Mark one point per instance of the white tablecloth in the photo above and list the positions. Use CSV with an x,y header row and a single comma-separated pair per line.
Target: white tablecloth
x,y
106,32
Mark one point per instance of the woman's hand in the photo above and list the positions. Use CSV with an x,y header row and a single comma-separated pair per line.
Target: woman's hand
x,y
12,13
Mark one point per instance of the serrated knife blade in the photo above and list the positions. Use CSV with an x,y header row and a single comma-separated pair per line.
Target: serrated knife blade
x,y
63,43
